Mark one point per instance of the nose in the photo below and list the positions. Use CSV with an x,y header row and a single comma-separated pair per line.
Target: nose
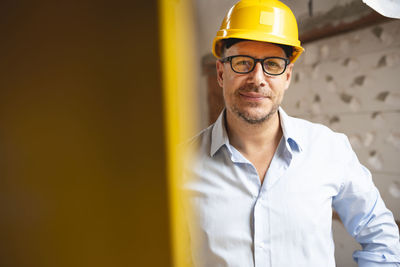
x,y
257,76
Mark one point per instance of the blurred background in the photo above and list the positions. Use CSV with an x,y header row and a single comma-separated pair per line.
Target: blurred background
x,y
95,96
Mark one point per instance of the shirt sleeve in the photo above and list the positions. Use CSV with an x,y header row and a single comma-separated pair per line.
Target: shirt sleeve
x,y
365,215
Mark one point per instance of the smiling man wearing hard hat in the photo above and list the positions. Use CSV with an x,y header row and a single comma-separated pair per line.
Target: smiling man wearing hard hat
x,y
262,184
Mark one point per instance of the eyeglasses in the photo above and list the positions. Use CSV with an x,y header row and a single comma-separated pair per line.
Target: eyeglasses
x,y
246,64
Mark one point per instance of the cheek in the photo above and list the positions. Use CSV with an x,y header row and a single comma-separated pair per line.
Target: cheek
x,y
278,89
229,81
230,85
278,85
275,85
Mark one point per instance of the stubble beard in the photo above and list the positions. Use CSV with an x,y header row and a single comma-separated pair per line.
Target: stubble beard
x,y
251,119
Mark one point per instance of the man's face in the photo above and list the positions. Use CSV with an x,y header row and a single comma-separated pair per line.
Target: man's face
x,y
254,96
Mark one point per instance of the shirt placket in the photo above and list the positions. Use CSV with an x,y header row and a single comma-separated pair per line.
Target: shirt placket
x,y
261,232
262,227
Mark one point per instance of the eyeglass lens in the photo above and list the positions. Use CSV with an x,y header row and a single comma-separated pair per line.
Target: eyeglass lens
x,y
245,64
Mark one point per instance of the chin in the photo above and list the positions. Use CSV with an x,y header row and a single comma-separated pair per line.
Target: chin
x,y
256,116
252,118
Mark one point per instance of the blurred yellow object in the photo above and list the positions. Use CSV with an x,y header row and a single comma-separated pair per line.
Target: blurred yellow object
x,y
88,132
260,20
178,48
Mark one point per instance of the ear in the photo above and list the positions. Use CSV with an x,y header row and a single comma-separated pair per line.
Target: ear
x,y
220,72
288,75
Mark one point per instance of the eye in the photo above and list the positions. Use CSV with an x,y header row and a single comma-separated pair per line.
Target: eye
x,y
271,64
245,62
242,64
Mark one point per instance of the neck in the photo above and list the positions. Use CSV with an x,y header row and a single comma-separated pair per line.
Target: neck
x,y
248,137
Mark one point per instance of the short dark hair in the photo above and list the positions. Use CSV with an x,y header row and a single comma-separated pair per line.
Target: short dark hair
x,y
227,43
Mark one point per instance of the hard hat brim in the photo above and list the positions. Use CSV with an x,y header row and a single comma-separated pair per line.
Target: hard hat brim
x,y
255,36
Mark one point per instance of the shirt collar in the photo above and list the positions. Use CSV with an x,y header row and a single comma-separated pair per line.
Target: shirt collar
x,y
219,134
292,136
291,133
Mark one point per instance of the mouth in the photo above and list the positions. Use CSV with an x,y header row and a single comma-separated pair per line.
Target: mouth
x,y
253,96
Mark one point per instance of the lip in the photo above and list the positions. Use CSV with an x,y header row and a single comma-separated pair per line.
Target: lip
x,y
252,96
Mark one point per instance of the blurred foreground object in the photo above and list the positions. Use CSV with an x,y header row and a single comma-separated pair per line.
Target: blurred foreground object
x,y
85,132
177,51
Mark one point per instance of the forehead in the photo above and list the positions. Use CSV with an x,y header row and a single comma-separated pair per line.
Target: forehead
x,y
255,49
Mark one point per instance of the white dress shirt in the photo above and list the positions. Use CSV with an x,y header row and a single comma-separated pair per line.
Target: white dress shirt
x,y
287,220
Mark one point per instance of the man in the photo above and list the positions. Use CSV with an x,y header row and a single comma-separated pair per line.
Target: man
x,y
262,184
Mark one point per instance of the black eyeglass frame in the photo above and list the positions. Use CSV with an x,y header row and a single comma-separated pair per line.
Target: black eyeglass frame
x,y
256,60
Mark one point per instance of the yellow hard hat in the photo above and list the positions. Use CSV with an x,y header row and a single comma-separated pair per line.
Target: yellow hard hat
x,y
260,20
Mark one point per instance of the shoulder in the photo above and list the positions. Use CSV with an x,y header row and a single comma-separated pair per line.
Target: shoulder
x,y
201,139
316,134
198,147
196,151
